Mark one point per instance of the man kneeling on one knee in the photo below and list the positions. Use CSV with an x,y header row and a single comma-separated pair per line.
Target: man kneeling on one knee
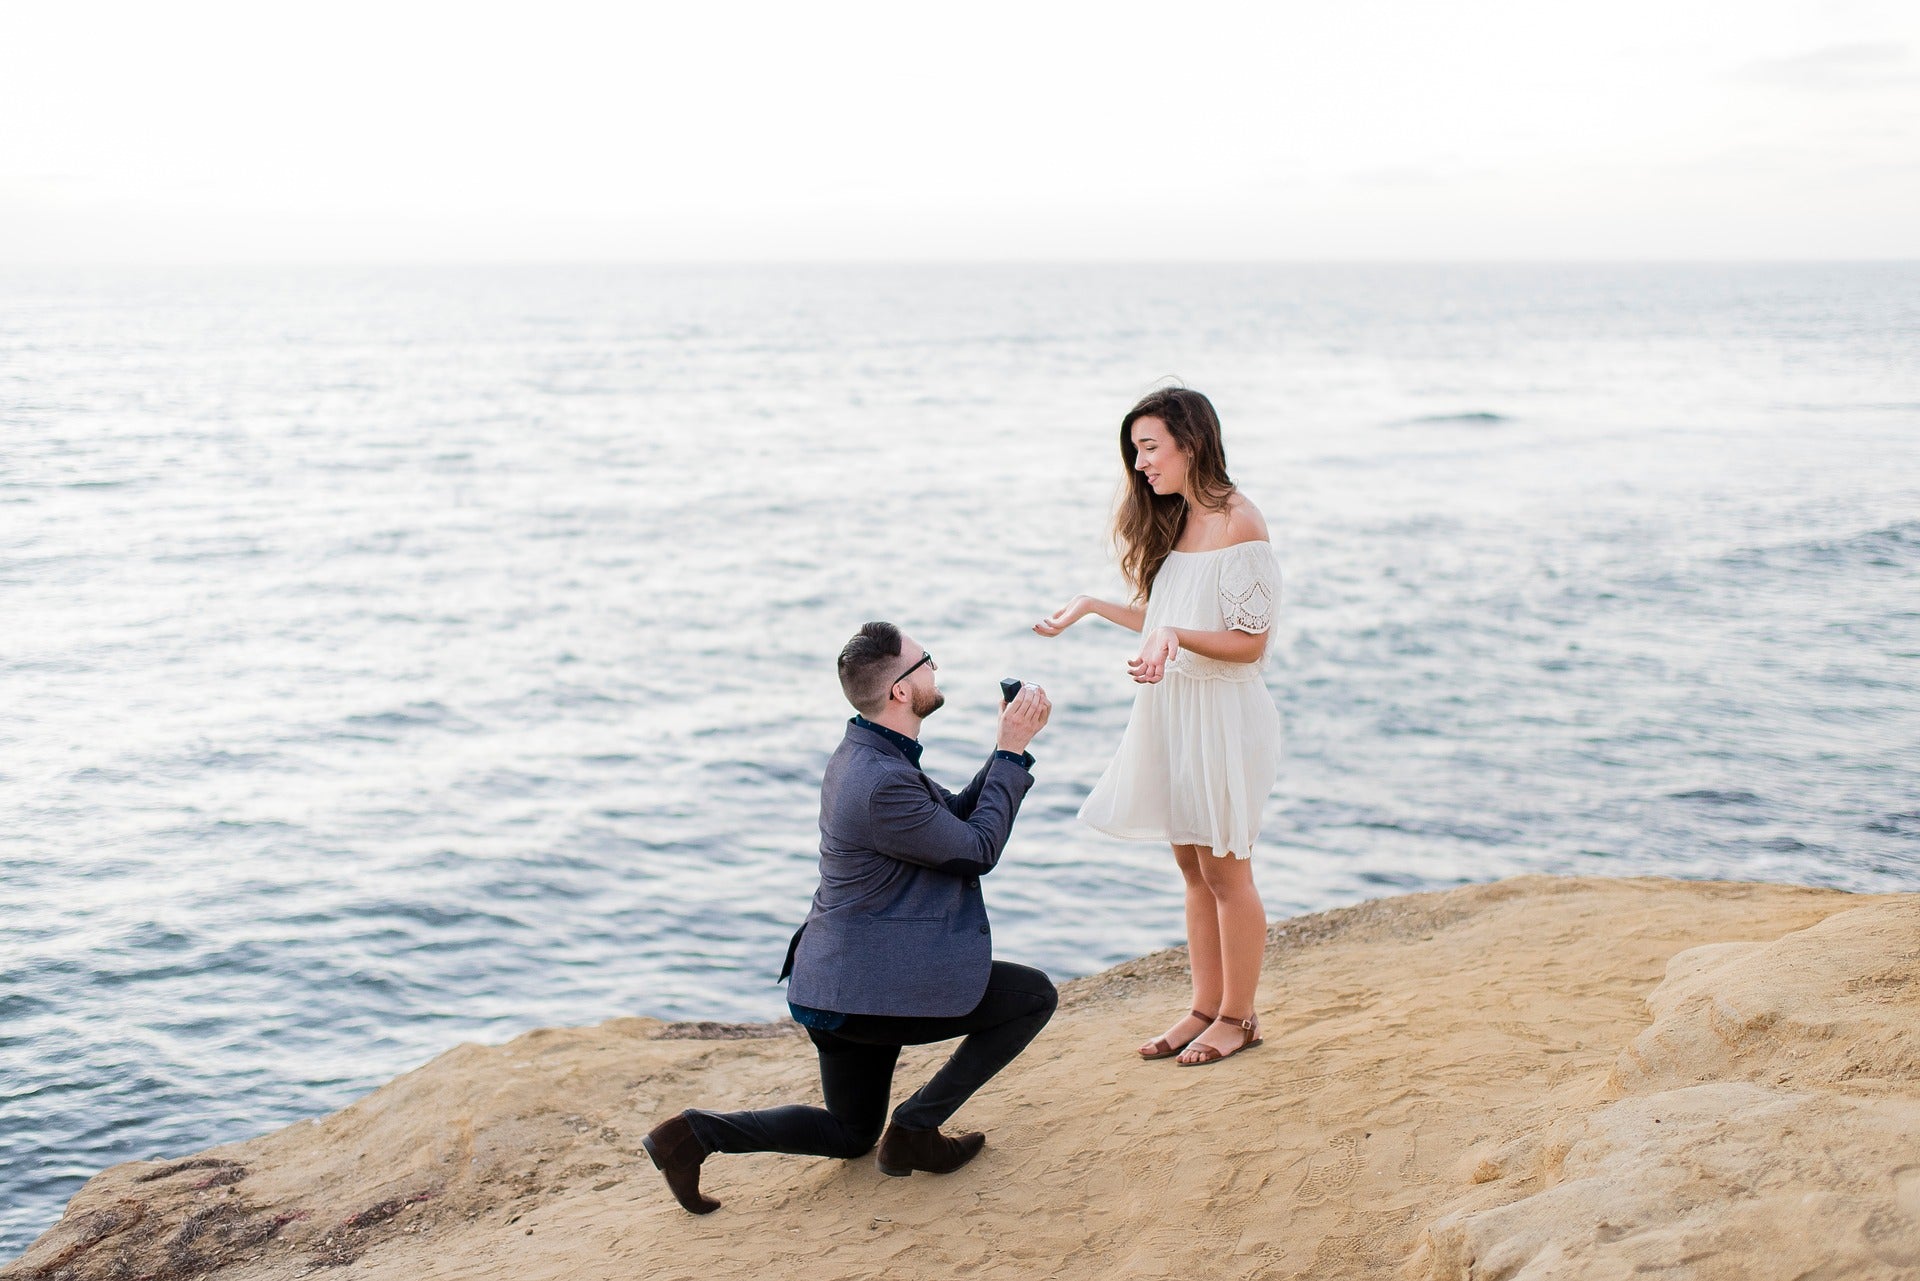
x,y
896,949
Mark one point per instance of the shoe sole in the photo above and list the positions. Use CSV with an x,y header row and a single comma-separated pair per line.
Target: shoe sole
x,y
902,1171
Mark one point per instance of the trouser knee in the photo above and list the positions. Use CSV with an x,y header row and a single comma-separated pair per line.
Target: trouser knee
x,y
1042,1002
857,1141
1041,999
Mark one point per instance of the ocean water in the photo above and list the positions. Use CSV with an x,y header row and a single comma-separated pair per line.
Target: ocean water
x,y
396,658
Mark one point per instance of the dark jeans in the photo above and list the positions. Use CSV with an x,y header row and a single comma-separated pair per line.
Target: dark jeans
x,y
856,1073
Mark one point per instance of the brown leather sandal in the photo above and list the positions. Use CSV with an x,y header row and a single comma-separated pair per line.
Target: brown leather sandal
x,y
1251,1026
1165,1049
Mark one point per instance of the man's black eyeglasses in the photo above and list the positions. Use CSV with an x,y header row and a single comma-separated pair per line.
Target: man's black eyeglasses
x,y
926,659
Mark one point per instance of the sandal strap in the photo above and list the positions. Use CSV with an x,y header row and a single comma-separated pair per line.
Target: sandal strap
x,y
1211,1018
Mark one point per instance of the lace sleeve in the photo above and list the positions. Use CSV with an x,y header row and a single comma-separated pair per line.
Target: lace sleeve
x,y
1249,587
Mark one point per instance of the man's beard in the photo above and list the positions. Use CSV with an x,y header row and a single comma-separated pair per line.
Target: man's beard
x,y
925,705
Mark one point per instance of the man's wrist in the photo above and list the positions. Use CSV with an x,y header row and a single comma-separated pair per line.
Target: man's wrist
x,y
1023,759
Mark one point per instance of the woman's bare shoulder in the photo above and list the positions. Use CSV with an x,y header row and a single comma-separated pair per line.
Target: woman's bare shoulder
x,y
1245,524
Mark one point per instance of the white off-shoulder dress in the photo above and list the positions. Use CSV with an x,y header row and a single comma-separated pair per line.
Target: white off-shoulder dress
x,y
1202,748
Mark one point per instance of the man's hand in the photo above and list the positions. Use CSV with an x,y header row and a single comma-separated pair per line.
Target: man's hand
x,y
1024,717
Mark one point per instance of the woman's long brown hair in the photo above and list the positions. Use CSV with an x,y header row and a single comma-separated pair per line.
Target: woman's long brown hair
x,y
1149,524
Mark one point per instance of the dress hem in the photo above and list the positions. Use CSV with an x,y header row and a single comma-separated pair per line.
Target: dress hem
x,y
1166,838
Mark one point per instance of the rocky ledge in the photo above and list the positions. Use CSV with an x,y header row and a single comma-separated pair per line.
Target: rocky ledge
x,y
1541,1078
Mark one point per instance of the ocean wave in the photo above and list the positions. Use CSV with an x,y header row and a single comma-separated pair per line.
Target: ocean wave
x,y
1903,824
424,715
1470,418
1895,546
1715,796
1446,829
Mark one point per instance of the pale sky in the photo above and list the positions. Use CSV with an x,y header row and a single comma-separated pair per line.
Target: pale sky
x,y
1332,130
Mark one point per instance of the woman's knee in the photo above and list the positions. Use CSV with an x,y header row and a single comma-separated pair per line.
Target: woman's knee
x,y
1188,859
1227,876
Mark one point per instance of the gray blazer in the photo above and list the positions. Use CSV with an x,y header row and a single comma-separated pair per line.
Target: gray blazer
x,y
898,925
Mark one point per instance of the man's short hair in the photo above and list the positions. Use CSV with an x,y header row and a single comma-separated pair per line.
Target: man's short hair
x,y
868,664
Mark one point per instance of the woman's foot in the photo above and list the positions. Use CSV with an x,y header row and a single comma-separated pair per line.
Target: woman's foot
x,y
1192,1024
1224,1039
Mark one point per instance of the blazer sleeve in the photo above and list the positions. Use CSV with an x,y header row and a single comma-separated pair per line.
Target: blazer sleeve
x,y
919,824
962,802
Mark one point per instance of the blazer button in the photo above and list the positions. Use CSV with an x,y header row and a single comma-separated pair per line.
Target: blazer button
x,y
985,930
973,882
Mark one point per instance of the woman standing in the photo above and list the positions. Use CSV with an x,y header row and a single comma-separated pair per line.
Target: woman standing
x,y
1201,750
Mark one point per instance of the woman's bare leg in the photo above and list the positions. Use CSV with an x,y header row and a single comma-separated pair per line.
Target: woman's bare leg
x,y
1241,931
1203,947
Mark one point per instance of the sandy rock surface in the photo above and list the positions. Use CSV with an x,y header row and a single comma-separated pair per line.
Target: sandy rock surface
x,y
1541,1078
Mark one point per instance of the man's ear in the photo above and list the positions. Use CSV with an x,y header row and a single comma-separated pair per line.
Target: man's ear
x,y
894,694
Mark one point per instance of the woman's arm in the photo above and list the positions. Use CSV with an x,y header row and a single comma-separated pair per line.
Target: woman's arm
x,y
1079,607
1228,646
1163,644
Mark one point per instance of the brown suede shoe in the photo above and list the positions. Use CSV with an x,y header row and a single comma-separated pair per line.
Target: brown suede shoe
x,y
904,1151
677,1153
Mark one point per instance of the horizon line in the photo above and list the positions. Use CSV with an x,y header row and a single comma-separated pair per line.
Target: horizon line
x,y
371,262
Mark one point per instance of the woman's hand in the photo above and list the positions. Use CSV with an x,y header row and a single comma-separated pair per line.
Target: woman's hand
x,y
1161,646
1069,614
